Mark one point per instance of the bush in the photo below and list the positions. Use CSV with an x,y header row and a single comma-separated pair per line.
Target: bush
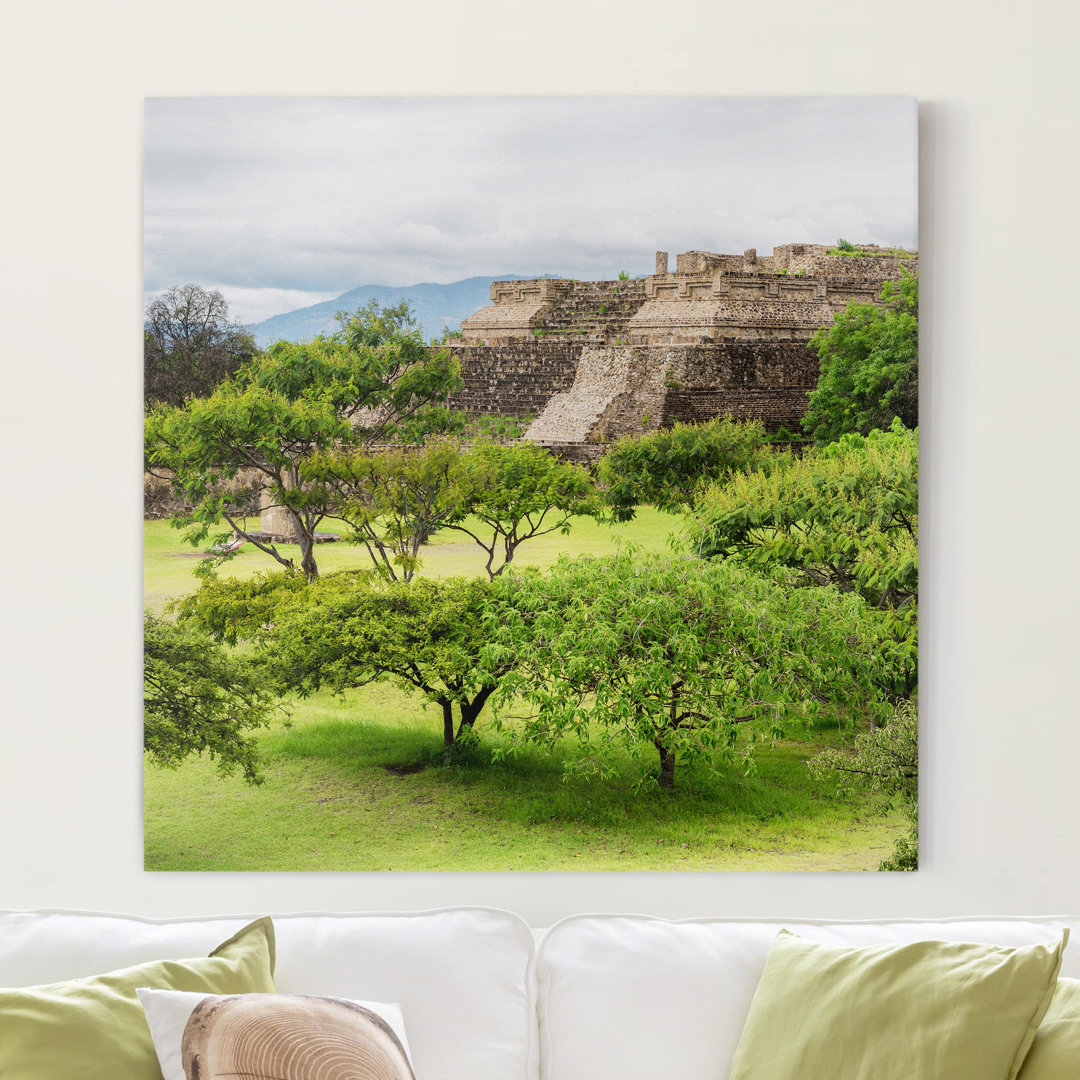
x,y
846,514
885,760
668,468
869,366
200,698
675,653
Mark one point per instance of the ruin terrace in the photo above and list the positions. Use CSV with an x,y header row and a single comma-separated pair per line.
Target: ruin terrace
x,y
722,334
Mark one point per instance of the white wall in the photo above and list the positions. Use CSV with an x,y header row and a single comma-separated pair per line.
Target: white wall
x,y
1001,743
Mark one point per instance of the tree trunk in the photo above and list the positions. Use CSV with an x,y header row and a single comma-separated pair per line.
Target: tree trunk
x,y
305,537
447,722
470,710
307,559
667,764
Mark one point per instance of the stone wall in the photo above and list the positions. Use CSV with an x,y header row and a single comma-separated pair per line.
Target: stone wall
x,y
515,378
159,500
723,333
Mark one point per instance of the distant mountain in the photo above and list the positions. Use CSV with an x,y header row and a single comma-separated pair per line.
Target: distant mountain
x,y
437,308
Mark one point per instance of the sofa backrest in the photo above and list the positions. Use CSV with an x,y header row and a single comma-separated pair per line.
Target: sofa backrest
x,y
463,976
636,998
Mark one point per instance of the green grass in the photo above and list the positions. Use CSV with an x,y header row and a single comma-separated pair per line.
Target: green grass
x,y
169,562
358,783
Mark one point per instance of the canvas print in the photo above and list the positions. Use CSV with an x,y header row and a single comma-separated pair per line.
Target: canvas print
x,y
531,484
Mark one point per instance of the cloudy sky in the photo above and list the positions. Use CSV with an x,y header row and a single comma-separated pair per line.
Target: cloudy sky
x,y
282,202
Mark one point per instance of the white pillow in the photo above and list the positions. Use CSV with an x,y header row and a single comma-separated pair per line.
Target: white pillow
x,y
373,1031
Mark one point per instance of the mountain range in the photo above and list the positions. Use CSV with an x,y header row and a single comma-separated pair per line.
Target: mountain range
x,y
437,308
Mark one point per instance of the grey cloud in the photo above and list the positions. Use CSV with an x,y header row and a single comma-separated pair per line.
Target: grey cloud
x,y
320,195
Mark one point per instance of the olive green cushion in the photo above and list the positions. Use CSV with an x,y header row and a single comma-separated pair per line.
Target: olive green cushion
x,y
1055,1053
95,1028
935,1010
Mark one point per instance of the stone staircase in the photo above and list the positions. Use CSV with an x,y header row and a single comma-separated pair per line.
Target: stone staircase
x,y
594,310
570,417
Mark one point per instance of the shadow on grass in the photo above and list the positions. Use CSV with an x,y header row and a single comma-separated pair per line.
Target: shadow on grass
x,y
530,786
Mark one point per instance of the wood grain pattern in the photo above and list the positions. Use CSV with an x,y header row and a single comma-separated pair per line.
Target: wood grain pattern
x,y
285,1037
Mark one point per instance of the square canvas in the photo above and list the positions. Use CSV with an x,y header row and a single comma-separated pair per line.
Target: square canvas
x,y
531,484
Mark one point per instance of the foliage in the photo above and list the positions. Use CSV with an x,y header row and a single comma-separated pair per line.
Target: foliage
x,y
675,653
238,609
869,365
355,784
623,275
190,344
200,698
905,852
517,492
845,515
169,567
347,631
492,428
376,371
844,247
884,760
371,381
393,499
667,468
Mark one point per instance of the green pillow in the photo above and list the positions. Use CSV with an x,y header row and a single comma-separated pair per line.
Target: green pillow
x,y
936,1010
95,1028
1055,1053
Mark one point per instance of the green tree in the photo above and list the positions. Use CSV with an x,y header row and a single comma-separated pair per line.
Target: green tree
x,y
348,630
675,654
843,516
516,492
869,365
667,468
190,344
373,381
232,610
393,499
884,760
846,515
200,699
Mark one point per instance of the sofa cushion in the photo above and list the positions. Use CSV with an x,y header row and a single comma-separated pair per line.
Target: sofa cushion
x,y
268,1034
463,976
639,997
1055,1053
894,1011
94,1028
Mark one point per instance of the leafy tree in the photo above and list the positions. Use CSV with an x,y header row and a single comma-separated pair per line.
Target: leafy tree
x,y
846,515
667,468
372,381
885,760
517,492
200,698
869,365
676,653
347,630
190,344
393,499
231,610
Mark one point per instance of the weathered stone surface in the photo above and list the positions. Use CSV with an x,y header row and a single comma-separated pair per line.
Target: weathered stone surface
x,y
593,360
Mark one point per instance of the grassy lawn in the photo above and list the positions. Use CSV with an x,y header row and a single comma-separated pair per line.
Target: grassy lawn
x,y
169,562
357,783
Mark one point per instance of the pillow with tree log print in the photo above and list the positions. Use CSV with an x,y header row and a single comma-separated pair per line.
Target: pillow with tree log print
x,y
275,1037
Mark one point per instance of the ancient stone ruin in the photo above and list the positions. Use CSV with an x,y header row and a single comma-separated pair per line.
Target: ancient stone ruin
x,y
593,360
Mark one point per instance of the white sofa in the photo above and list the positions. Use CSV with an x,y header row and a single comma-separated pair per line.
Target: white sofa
x,y
624,997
